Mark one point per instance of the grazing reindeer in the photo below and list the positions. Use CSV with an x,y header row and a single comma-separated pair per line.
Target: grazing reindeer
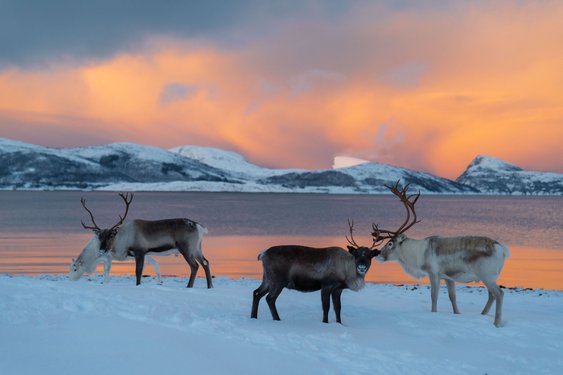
x,y
462,259
140,238
91,256
308,269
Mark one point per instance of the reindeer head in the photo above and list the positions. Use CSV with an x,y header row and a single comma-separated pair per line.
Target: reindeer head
x,y
397,237
106,236
86,261
76,270
388,251
362,255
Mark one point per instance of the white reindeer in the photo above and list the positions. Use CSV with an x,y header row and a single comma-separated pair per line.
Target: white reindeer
x,y
140,238
91,256
463,259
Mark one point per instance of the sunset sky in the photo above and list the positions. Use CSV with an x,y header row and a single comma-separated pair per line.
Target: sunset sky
x,y
426,85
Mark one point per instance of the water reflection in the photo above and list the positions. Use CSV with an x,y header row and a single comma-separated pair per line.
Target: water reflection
x,y
235,256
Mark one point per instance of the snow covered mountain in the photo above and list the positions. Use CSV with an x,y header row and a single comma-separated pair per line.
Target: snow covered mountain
x,y
228,161
26,166
126,166
363,178
494,176
367,178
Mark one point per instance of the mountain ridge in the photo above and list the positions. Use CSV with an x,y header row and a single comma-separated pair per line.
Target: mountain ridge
x,y
130,166
494,176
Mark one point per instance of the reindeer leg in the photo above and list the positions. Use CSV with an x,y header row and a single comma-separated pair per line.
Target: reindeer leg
x,y
325,297
205,263
107,268
154,265
184,249
257,296
498,310
336,293
498,294
451,294
434,290
139,264
271,299
193,270
488,304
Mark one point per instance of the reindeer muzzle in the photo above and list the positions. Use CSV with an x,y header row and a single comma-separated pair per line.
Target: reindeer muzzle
x,y
362,269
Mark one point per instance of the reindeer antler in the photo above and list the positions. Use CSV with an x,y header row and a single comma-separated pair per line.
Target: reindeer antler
x,y
351,240
408,201
377,235
127,198
95,227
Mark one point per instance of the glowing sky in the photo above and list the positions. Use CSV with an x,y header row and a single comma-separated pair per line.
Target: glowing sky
x,y
423,85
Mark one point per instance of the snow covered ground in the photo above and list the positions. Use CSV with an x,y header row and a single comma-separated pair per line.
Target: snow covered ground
x,y
50,325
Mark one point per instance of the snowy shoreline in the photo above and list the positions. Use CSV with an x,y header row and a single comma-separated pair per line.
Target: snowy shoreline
x,y
52,325
197,187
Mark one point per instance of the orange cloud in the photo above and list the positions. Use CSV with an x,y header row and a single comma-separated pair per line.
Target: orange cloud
x,y
426,91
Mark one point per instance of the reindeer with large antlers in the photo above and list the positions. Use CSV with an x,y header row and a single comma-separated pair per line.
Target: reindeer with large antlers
x,y
307,269
462,259
139,239
96,251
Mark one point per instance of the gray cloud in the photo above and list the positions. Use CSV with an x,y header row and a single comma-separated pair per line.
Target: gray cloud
x,y
177,91
34,32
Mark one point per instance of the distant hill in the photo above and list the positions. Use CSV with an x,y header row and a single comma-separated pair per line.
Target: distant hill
x,y
494,176
127,166
25,166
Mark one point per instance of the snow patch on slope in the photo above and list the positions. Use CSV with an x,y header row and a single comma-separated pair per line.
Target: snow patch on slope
x,y
347,161
227,161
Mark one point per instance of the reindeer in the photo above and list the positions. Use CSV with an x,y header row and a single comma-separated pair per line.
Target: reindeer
x,y
140,238
463,259
307,269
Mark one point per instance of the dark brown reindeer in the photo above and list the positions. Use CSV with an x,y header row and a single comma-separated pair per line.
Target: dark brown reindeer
x,y
462,259
141,238
308,269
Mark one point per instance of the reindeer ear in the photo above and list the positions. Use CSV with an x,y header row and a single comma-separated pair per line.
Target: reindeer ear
x,y
351,249
375,252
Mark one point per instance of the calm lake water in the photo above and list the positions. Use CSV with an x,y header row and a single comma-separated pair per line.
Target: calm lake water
x,y
40,231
